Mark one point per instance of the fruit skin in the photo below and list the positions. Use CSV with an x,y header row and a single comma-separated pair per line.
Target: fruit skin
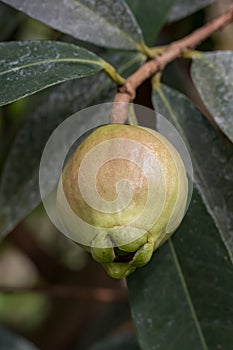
x,y
115,240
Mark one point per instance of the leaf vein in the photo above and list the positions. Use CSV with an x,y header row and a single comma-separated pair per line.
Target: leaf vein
x,y
188,297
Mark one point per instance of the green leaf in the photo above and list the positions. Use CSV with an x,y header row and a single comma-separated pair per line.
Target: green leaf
x,y
212,74
107,23
183,8
151,15
11,341
30,66
183,298
19,191
212,158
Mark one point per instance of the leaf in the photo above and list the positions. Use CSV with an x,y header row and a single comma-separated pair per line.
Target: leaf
x,y
183,298
183,8
151,15
11,341
30,66
19,194
212,74
102,22
212,158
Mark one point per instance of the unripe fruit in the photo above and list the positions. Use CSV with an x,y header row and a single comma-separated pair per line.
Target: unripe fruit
x,y
122,193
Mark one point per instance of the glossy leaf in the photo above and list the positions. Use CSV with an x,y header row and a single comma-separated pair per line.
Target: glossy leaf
x,y
27,67
11,341
19,195
183,298
212,158
102,22
183,8
151,15
212,75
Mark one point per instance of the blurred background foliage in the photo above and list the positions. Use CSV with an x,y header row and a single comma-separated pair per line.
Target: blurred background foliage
x,y
35,254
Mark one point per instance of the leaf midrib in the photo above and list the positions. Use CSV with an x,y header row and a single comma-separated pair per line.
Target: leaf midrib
x,y
97,14
214,66
57,60
187,295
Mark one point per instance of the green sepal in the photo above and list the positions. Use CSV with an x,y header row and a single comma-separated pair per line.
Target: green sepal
x,y
134,245
121,235
144,254
102,249
119,270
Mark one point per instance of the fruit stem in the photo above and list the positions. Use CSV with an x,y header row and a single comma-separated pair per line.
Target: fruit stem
x,y
176,49
132,119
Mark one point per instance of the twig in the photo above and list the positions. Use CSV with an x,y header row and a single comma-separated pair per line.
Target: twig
x,y
106,295
126,93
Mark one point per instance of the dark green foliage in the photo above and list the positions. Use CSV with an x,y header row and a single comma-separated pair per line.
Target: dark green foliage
x,y
183,298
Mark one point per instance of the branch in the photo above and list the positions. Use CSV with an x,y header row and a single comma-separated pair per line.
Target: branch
x,y
106,295
126,93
